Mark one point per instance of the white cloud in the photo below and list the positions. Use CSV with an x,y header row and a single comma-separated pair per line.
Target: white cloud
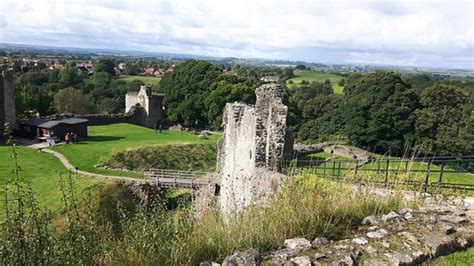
x,y
429,33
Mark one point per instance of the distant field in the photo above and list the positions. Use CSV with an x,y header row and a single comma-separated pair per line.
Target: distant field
x,y
309,75
104,140
154,81
42,170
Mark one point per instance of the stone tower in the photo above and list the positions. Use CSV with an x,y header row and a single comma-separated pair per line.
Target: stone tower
x,y
251,150
7,102
151,104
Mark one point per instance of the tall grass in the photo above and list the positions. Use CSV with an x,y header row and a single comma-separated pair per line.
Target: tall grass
x,y
150,234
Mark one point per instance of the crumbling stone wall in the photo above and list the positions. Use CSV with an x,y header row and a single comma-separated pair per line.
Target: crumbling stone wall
x,y
7,102
251,150
151,103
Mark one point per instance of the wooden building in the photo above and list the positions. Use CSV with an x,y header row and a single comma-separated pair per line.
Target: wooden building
x,y
43,129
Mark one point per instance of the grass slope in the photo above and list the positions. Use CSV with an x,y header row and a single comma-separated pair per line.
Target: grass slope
x,y
154,81
42,170
187,157
309,75
103,141
458,258
376,169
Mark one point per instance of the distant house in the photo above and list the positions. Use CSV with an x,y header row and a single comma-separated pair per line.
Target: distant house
x,y
43,129
149,71
270,78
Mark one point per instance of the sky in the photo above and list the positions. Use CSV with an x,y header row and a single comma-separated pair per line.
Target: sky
x,y
437,34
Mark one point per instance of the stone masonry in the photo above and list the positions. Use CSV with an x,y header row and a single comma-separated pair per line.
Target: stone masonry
x,y
150,103
7,102
251,149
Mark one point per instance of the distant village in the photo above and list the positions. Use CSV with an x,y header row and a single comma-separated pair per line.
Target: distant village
x,y
87,67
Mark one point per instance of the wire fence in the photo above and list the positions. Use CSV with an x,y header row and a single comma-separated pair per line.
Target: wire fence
x,y
424,172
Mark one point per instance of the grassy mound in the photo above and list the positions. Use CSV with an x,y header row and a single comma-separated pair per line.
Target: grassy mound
x,y
178,157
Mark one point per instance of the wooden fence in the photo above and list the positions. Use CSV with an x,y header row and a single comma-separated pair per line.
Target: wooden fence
x,y
181,179
438,172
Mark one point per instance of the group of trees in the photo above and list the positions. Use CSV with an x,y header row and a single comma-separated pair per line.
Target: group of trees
x,y
43,91
383,112
197,91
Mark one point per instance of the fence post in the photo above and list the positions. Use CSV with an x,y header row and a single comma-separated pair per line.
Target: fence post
x,y
355,170
378,166
333,168
407,173
441,173
324,169
339,170
386,172
427,175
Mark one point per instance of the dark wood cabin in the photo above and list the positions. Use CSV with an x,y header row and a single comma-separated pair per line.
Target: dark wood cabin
x,y
42,129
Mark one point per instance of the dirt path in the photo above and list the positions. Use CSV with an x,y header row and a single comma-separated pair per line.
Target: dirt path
x,y
72,168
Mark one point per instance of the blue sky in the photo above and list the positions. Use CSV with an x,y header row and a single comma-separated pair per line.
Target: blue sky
x,y
435,34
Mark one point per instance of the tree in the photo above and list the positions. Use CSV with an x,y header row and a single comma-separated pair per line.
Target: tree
x,y
341,82
443,120
227,89
131,69
105,65
379,112
185,90
300,67
68,76
70,100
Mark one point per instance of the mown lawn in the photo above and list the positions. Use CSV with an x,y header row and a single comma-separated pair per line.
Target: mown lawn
x,y
154,81
104,140
42,170
310,76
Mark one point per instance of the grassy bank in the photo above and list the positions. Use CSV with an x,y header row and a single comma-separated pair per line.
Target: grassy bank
x,y
42,170
464,258
318,76
105,140
189,157
153,236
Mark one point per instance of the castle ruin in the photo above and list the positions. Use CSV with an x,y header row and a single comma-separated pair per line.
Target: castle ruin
x,y
251,150
151,105
7,102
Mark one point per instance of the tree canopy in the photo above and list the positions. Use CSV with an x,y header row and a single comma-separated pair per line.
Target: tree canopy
x,y
186,89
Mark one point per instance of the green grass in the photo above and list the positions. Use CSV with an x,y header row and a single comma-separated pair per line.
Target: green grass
x,y
154,81
187,157
42,170
455,259
103,141
369,171
309,75
320,156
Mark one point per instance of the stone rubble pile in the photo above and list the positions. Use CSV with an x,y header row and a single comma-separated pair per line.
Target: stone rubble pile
x,y
403,237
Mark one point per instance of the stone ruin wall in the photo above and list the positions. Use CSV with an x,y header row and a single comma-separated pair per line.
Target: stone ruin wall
x,y
152,106
251,150
7,102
